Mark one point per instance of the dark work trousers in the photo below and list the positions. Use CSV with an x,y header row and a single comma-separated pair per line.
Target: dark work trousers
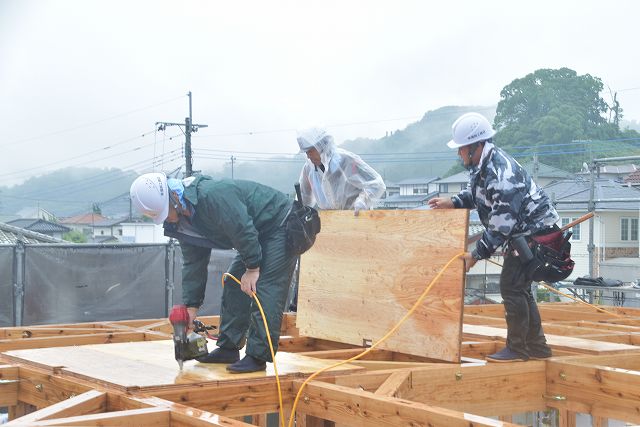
x,y
524,326
240,318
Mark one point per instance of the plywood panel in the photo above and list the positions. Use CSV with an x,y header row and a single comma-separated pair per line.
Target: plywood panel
x,y
152,364
365,273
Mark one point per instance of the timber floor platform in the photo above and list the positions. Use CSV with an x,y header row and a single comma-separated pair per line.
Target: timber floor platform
x,y
123,374
151,364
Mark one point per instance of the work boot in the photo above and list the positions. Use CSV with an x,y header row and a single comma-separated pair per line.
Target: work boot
x,y
507,355
220,355
247,364
540,354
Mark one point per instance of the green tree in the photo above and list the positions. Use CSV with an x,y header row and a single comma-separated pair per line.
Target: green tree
x,y
553,108
75,236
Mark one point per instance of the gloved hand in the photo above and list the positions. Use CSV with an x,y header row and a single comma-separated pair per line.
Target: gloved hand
x,y
358,206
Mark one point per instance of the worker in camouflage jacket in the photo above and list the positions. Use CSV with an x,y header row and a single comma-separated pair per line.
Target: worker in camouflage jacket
x,y
204,213
509,204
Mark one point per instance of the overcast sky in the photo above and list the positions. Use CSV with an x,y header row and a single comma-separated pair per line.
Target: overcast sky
x,y
81,81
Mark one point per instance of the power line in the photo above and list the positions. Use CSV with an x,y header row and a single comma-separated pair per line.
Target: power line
x,y
40,167
425,157
575,142
96,180
331,126
89,123
629,88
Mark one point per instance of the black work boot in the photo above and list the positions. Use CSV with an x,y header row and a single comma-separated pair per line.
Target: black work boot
x,y
220,355
247,364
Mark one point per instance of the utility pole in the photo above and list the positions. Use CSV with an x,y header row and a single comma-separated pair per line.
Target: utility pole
x,y
536,167
189,127
233,159
616,110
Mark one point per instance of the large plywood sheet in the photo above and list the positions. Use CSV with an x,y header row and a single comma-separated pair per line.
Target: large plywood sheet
x,y
364,273
151,364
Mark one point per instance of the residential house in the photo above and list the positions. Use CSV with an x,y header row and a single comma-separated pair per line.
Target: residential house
x,y
544,174
613,172
10,234
41,226
615,224
85,223
413,193
633,179
392,189
107,230
142,232
452,185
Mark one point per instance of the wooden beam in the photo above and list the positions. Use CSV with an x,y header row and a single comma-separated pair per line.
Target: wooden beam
x,y
9,380
41,388
599,390
555,341
513,387
20,409
566,418
356,407
90,402
244,398
396,385
68,340
478,349
133,418
182,415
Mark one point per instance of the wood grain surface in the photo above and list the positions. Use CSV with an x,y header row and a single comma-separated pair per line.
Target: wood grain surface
x,y
364,273
152,364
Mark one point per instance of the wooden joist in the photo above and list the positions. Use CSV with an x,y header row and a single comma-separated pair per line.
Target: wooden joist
x,y
602,379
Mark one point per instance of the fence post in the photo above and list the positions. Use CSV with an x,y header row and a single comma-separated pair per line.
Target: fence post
x,y
18,286
169,273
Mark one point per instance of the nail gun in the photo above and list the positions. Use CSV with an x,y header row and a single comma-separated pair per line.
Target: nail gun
x,y
192,345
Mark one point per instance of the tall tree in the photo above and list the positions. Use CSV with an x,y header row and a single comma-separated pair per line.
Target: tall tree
x,y
552,108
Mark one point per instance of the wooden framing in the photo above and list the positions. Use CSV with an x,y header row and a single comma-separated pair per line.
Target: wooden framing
x,y
595,370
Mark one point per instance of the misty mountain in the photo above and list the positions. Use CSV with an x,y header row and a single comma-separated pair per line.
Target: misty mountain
x,y
419,150
70,191
630,124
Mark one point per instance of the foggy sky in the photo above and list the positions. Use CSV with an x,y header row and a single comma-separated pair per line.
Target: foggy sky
x,y
81,81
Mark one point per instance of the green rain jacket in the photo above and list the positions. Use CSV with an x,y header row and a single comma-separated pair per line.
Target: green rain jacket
x,y
231,214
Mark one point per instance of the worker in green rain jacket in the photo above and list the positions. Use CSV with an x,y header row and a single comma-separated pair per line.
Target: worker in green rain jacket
x,y
204,213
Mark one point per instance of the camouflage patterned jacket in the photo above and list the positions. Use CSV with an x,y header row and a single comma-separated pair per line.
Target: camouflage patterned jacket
x,y
509,203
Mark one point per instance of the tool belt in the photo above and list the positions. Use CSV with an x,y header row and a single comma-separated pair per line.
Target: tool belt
x,y
546,257
302,223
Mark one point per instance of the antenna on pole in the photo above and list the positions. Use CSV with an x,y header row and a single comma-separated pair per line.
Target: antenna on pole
x,y
189,128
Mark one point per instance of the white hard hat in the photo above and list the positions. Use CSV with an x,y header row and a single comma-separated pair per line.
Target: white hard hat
x,y
150,196
309,138
470,128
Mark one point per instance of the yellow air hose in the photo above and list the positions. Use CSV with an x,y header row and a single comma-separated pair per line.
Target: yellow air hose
x,y
335,365
273,356
544,284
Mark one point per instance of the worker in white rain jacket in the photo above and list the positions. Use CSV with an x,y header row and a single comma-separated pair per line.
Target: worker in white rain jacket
x,y
334,178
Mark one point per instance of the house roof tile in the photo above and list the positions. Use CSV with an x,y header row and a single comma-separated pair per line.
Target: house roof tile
x,y
39,225
10,234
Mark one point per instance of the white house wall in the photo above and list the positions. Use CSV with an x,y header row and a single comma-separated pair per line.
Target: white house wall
x,y
143,233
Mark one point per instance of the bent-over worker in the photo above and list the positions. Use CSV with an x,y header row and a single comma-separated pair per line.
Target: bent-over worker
x,y
244,215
